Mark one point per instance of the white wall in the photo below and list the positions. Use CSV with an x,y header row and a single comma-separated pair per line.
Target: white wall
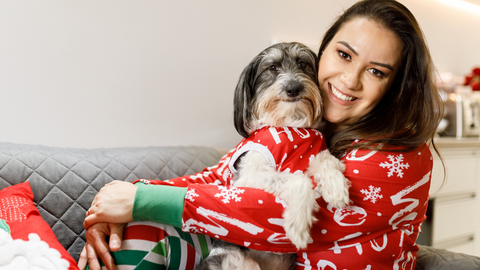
x,y
452,28
154,72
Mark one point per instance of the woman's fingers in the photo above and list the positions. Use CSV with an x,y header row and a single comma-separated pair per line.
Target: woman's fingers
x,y
82,261
116,235
97,247
92,258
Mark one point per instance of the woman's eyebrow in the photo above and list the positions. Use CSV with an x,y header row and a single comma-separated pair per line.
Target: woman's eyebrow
x,y
349,47
382,65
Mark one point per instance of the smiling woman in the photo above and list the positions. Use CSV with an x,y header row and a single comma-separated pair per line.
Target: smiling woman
x,y
357,70
376,77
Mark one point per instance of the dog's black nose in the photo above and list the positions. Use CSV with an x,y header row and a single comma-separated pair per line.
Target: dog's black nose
x,y
294,89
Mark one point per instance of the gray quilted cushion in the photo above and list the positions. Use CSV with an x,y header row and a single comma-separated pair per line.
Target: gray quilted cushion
x,y
64,181
441,259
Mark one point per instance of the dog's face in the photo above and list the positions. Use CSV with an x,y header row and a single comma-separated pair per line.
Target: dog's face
x,y
278,88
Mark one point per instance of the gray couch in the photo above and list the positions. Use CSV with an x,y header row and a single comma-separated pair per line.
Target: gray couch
x,y
64,182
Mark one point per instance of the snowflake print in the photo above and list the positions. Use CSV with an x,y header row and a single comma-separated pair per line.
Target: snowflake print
x,y
396,165
191,195
372,194
229,194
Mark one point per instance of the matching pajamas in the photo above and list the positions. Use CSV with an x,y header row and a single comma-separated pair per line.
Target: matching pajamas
x,y
377,230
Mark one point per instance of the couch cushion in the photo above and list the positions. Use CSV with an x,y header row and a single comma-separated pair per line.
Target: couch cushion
x,y
64,181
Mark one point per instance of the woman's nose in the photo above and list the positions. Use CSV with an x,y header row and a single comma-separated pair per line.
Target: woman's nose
x,y
351,78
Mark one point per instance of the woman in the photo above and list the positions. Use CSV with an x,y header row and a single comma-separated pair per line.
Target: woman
x,y
381,107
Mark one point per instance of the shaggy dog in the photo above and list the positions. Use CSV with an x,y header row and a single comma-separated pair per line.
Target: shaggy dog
x,y
278,93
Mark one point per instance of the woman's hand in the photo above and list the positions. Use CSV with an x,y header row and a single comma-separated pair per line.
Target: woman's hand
x,y
113,204
97,247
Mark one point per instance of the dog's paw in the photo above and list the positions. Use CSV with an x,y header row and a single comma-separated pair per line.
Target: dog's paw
x,y
327,172
297,229
298,220
337,195
299,215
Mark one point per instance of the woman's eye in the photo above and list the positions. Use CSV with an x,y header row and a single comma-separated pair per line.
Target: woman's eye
x,y
344,55
377,72
302,64
272,68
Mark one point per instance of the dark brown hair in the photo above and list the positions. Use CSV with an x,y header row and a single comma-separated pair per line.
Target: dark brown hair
x,y
410,111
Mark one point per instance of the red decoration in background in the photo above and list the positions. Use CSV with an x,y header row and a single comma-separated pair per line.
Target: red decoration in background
x,y
473,79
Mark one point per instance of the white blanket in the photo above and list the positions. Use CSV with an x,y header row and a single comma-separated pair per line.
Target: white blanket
x,y
34,254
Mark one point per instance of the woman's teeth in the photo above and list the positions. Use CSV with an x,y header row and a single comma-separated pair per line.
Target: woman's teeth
x,y
340,95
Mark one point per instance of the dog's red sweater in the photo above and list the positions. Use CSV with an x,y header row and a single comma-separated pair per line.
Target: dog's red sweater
x,y
378,230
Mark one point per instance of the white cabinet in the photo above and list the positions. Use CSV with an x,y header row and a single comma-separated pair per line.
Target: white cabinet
x,y
456,206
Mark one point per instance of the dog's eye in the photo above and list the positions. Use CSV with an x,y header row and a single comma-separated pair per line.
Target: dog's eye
x,y
302,64
272,68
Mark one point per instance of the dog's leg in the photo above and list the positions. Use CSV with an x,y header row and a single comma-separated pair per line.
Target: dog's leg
x,y
226,256
331,183
295,189
269,260
299,215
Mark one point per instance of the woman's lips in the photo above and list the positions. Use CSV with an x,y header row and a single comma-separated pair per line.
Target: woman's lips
x,y
340,95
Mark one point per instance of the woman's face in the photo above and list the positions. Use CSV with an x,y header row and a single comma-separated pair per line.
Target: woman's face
x,y
356,69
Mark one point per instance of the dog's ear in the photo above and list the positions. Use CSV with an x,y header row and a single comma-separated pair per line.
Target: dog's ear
x,y
313,60
244,93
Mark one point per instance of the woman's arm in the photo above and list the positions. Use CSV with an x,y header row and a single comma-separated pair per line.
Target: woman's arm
x,y
216,175
237,210
116,200
123,202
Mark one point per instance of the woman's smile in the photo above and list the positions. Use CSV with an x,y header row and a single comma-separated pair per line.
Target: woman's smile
x,y
337,93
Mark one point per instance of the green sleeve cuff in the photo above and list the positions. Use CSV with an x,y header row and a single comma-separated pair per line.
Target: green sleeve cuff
x,y
158,203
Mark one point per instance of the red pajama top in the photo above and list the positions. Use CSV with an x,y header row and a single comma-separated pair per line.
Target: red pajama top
x,y
378,230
